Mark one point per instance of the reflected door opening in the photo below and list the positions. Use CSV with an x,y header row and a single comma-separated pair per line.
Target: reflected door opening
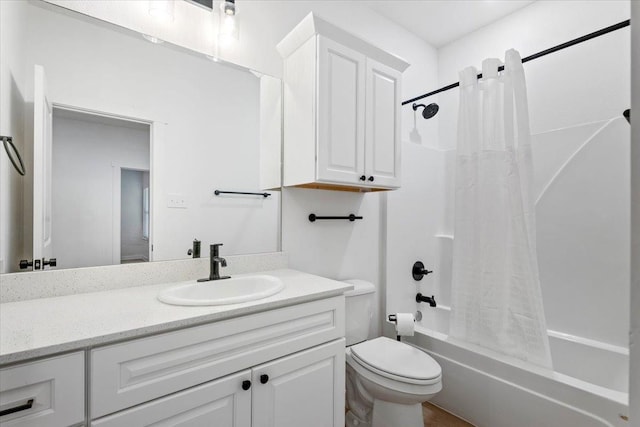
x,y
134,216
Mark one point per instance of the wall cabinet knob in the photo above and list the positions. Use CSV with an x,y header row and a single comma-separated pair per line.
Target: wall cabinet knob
x,y
246,385
264,378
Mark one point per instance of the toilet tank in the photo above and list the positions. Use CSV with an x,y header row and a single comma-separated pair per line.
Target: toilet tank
x,y
359,310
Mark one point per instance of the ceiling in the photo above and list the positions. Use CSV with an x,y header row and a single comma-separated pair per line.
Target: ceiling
x,y
439,22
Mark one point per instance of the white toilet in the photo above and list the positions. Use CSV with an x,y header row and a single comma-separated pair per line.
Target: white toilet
x,y
387,380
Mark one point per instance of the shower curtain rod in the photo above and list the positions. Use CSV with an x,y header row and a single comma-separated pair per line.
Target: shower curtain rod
x,y
536,55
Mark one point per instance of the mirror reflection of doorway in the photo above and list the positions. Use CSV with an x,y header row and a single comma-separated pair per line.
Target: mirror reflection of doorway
x,y
100,167
134,216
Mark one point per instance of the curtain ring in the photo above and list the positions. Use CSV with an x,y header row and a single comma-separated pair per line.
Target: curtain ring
x,y
7,140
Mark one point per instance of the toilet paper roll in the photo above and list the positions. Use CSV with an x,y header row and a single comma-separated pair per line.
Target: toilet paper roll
x,y
405,323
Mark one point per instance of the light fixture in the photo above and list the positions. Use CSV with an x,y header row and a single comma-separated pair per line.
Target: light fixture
x,y
228,26
229,7
162,10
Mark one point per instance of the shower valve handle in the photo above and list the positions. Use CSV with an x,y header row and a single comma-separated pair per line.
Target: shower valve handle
x,y
418,271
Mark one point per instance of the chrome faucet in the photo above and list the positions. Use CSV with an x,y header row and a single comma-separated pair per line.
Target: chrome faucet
x,y
215,261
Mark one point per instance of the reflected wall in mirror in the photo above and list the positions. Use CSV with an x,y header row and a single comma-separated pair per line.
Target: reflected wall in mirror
x,y
125,142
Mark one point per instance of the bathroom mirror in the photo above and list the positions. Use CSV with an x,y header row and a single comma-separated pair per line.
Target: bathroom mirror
x,y
126,142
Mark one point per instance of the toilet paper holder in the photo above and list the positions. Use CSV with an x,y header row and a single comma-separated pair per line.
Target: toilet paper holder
x,y
394,319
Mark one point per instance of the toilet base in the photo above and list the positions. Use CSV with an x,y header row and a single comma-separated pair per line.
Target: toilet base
x,y
389,414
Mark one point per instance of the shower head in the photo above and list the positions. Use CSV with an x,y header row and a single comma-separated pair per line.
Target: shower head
x,y
428,111
627,115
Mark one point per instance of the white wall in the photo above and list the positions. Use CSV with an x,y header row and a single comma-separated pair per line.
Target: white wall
x,y
86,154
11,124
634,338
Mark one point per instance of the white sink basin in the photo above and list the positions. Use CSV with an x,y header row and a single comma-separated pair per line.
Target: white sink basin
x,y
221,292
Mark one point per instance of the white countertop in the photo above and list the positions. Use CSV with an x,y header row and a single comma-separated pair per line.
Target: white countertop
x,y
45,326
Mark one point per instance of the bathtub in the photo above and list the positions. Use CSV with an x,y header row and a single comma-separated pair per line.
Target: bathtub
x,y
588,387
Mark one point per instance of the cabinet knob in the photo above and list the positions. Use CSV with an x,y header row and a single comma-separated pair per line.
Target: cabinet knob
x,y
371,178
264,378
246,385
363,178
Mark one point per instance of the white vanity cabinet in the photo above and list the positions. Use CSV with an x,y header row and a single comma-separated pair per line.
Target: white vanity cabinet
x,y
342,110
44,393
304,389
293,358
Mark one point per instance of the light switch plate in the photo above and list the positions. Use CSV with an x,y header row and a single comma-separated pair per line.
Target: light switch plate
x,y
176,201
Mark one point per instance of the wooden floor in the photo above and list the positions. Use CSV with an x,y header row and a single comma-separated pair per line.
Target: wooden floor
x,y
436,417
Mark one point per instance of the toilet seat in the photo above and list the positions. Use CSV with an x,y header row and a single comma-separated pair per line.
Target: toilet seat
x,y
396,361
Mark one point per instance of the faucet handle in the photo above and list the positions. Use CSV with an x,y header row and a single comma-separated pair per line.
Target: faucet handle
x,y
216,245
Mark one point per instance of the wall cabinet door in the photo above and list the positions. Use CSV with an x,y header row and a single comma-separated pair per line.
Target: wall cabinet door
x,y
341,113
304,389
382,148
220,403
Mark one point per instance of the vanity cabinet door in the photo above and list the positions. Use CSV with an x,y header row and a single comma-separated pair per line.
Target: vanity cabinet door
x,y
222,403
304,389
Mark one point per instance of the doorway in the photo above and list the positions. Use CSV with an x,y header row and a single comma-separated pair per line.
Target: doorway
x,y
94,158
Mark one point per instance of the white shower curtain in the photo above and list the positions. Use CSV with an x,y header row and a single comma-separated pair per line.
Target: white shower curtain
x,y
496,296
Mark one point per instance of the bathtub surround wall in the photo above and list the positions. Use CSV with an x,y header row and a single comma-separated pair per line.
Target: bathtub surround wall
x,y
634,386
582,182
582,177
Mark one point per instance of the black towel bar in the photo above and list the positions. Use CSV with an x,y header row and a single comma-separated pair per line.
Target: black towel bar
x,y
351,217
219,192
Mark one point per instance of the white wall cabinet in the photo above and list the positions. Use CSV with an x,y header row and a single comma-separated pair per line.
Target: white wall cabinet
x,y
342,110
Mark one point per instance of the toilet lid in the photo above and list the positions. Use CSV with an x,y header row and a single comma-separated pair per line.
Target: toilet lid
x,y
396,358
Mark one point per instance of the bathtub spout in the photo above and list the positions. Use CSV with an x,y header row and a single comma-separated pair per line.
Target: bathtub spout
x,y
430,300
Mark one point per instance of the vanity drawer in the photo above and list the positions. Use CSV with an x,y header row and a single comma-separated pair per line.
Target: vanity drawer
x,y
54,386
133,372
